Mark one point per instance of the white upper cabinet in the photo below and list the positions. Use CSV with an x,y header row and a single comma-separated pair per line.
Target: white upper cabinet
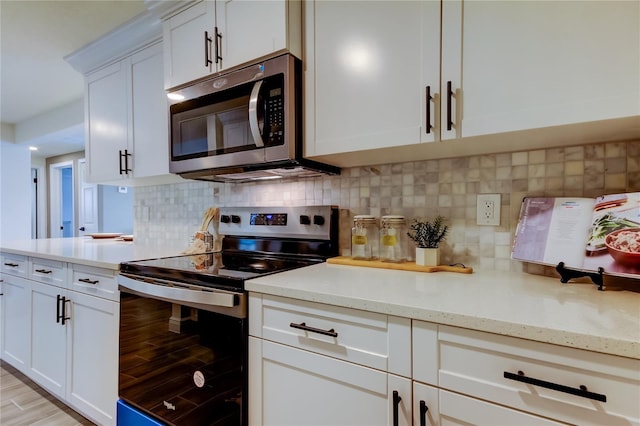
x,y
188,38
126,114
491,67
150,115
516,65
368,66
212,36
106,122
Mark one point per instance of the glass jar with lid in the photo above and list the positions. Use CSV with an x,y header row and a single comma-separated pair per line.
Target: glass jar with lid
x,y
393,238
364,237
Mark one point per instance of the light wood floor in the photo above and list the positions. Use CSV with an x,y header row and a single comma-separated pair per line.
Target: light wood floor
x,y
22,403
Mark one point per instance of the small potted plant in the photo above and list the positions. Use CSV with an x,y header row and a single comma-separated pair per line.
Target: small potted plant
x,y
427,235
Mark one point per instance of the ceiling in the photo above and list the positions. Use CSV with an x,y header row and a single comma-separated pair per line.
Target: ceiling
x,y
35,36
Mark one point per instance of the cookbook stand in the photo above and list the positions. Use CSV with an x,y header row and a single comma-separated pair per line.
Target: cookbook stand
x,y
567,273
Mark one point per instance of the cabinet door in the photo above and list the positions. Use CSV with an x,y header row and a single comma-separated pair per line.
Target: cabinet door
x,y
16,322
289,386
188,39
150,114
93,357
366,78
528,64
106,121
48,338
250,29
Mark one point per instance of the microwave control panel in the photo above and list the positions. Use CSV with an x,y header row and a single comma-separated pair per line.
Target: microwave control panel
x,y
275,117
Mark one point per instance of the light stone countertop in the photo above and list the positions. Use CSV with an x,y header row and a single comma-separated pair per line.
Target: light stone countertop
x,y
103,253
514,304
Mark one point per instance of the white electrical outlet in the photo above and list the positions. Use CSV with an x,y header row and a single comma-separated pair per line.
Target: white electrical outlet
x,y
488,209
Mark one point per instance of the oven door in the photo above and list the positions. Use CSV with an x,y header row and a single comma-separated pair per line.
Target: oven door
x,y
183,352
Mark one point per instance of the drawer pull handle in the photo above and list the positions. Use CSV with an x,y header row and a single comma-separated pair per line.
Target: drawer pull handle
x,y
580,391
44,271
12,265
88,281
305,327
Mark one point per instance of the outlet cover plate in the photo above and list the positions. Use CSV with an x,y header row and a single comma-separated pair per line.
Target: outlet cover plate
x,y
488,209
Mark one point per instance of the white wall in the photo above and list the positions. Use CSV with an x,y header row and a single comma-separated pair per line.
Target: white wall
x,y
15,191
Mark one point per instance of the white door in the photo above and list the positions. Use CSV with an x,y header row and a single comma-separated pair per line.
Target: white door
x,y
16,321
294,387
87,202
48,338
61,200
93,357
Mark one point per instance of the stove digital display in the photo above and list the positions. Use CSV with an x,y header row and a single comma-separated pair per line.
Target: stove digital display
x,y
268,219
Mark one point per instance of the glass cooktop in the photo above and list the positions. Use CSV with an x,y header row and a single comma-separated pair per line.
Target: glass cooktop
x,y
225,269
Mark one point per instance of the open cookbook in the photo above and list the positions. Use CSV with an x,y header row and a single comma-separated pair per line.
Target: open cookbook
x,y
584,233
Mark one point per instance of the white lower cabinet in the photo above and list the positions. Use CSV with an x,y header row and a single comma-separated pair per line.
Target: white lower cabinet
x,y
289,386
16,320
60,335
92,348
48,338
315,364
472,377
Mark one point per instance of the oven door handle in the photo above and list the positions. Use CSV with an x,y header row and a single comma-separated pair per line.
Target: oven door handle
x,y
253,114
156,288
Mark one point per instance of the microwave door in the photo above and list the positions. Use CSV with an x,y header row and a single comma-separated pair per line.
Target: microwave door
x,y
254,114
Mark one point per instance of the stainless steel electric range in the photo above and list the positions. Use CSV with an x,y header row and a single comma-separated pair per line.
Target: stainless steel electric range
x,y
183,319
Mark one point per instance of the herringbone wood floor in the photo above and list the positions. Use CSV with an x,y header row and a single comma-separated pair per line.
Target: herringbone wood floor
x,y
22,402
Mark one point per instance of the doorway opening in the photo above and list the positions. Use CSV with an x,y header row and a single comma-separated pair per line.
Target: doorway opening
x,y
62,200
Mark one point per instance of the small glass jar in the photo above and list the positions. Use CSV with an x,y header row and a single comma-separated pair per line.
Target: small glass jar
x,y
364,236
393,238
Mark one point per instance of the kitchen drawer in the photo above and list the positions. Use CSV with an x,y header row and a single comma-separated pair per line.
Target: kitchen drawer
x,y
98,282
458,409
48,271
476,363
370,339
15,264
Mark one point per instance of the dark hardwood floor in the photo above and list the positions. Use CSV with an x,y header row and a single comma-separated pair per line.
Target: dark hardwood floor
x,y
22,402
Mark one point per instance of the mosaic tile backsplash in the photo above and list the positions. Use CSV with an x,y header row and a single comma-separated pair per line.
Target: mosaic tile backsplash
x,y
170,214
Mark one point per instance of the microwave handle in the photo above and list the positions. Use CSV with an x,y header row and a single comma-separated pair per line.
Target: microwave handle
x,y
253,114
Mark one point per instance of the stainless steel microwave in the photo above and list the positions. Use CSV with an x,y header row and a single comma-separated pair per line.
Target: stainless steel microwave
x,y
242,125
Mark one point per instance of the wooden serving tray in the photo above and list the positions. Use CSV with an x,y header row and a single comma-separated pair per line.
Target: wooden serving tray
x,y
406,266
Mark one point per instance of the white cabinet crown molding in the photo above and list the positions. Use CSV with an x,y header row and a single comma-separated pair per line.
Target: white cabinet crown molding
x,y
135,34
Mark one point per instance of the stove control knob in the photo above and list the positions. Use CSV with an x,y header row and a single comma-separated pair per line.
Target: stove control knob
x,y
225,218
304,220
235,218
318,220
